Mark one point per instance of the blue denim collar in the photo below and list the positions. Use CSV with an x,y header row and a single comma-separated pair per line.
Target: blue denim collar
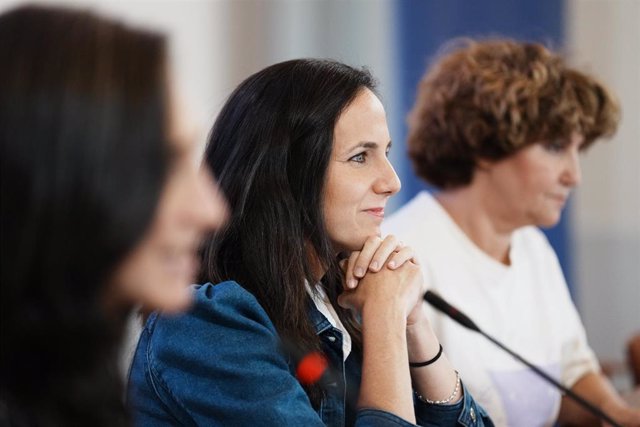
x,y
319,322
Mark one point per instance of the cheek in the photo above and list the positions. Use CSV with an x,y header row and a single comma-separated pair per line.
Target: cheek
x,y
342,203
143,279
526,180
537,172
143,265
130,277
335,214
340,220
541,182
170,204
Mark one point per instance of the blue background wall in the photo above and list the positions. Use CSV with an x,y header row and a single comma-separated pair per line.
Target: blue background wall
x,y
422,27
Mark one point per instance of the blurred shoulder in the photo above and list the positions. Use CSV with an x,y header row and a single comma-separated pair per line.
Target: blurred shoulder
x,y
231,294
217,309
532,239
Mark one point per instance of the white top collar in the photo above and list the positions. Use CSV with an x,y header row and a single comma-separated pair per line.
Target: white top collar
x,y
322,303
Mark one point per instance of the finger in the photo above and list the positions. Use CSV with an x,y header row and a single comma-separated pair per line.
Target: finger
x,y
343,264
400,257
350,280
384,251
362,263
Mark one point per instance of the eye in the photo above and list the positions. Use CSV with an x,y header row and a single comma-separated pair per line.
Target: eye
x,y
359,158
388,150
555,146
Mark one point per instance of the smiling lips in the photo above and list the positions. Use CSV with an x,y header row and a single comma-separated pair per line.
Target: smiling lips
x,y
377,212
559,198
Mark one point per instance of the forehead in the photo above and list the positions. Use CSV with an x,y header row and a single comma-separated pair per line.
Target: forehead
x,y
364,119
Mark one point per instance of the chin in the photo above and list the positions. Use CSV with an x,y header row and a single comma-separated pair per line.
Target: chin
x,y
348,247
549,221
355,244
174,299
354,241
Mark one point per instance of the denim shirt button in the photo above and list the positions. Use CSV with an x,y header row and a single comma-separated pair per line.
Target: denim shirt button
x,y
331,338
473,415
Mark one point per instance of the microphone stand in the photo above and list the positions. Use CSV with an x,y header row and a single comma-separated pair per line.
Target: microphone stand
x,y
443,306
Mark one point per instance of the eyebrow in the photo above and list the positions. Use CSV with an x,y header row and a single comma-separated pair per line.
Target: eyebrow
x,y
365,144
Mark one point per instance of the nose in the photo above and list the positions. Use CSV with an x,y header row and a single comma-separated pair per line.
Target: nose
x,y
209,209
388,182
572,174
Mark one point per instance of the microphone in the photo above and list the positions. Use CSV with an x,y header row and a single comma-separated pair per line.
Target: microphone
x,y
313,368
310,367
439,303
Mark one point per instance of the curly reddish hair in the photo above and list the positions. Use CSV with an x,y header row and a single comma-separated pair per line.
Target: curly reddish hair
x,y
488,99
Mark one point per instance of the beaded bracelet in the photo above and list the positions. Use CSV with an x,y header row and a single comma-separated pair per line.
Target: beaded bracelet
x,y
445,401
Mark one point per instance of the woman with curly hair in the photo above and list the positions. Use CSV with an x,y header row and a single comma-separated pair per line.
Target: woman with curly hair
x,y
102,209
498,127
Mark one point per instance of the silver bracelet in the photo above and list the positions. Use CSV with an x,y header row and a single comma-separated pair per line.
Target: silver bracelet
x,y
445,401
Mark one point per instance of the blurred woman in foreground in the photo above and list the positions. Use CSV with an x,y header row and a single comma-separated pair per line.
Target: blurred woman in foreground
x,y
102,208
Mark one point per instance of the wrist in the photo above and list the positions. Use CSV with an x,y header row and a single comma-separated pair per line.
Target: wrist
x,y
418,321
422,343
431,361
383,303
417,317
418,324
384,313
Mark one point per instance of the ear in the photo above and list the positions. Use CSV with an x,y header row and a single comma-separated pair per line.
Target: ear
x,y
483,164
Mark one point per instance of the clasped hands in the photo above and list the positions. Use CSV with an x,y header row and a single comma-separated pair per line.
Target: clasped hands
x,y
384,272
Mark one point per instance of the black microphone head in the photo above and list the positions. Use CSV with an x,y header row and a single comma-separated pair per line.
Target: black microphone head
x,y
436,301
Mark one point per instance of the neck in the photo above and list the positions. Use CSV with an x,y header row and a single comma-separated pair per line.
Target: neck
x,y
317,269
478,218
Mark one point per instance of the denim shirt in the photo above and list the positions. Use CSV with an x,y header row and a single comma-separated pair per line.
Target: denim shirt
x,y
222,364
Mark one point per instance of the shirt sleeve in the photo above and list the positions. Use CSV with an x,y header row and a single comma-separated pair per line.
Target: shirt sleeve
x,y
576,356
467,412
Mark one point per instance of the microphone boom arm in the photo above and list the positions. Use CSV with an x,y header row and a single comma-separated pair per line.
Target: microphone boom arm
x,y
443,306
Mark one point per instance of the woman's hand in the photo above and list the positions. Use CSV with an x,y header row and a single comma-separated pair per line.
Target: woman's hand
x,y
622,413
384,299
388,300
401,287
421,339
375,253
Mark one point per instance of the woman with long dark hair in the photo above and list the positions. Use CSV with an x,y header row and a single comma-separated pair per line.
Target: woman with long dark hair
x,y
300,148
102,208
